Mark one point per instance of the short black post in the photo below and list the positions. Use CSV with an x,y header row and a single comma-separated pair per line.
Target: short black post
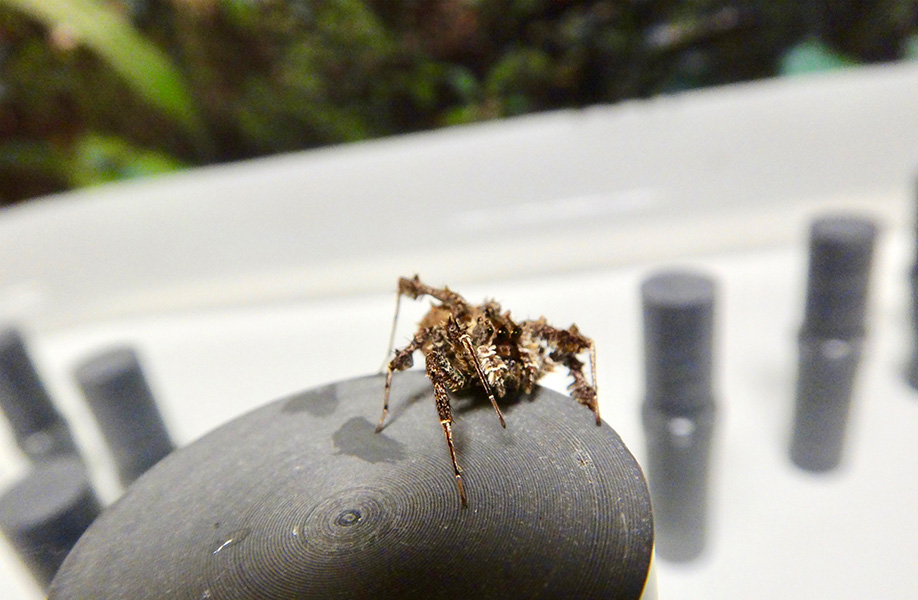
x,y
678,409
912,372
44,514
121,400
41,432
841,251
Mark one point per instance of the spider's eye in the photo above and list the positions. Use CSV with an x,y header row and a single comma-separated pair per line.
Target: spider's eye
x,y
517,331
502,331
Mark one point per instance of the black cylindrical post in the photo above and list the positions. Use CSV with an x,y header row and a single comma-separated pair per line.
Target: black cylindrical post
x,y
40,430
121,400
45,514
678,409
912,372
841,250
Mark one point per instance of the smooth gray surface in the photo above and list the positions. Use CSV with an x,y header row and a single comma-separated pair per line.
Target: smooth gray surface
x,y
841,256
678,309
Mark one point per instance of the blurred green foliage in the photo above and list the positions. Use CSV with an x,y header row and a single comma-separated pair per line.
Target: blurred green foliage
x,y
812,56
100,90
111,37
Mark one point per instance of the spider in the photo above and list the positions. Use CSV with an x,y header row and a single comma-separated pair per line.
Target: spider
x,y
467,346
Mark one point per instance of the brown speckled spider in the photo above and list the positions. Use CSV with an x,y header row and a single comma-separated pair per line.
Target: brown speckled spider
x,y
480,346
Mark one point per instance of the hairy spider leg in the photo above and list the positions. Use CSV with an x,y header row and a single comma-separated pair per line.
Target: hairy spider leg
x,y
565,344
398,301
593,379
401,361
467,344
414,289
582,390
438,377
591,389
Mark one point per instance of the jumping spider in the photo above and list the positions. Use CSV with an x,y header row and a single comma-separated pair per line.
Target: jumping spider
x,y
467,346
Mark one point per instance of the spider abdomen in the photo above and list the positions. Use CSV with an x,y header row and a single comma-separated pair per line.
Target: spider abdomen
x,y
495,369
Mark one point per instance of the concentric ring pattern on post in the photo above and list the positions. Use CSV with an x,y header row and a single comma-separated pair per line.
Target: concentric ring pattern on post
x,y
301,499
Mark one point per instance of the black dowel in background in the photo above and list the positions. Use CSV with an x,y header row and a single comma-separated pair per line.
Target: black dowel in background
x,y
678,410
44,514
841,252
40,430
912,372
120,399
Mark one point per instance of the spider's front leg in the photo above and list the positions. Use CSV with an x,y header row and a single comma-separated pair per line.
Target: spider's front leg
x,y
414,288
401,361
439,376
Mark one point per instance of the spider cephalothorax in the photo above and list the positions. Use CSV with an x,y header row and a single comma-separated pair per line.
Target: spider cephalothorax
x,y
481,346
